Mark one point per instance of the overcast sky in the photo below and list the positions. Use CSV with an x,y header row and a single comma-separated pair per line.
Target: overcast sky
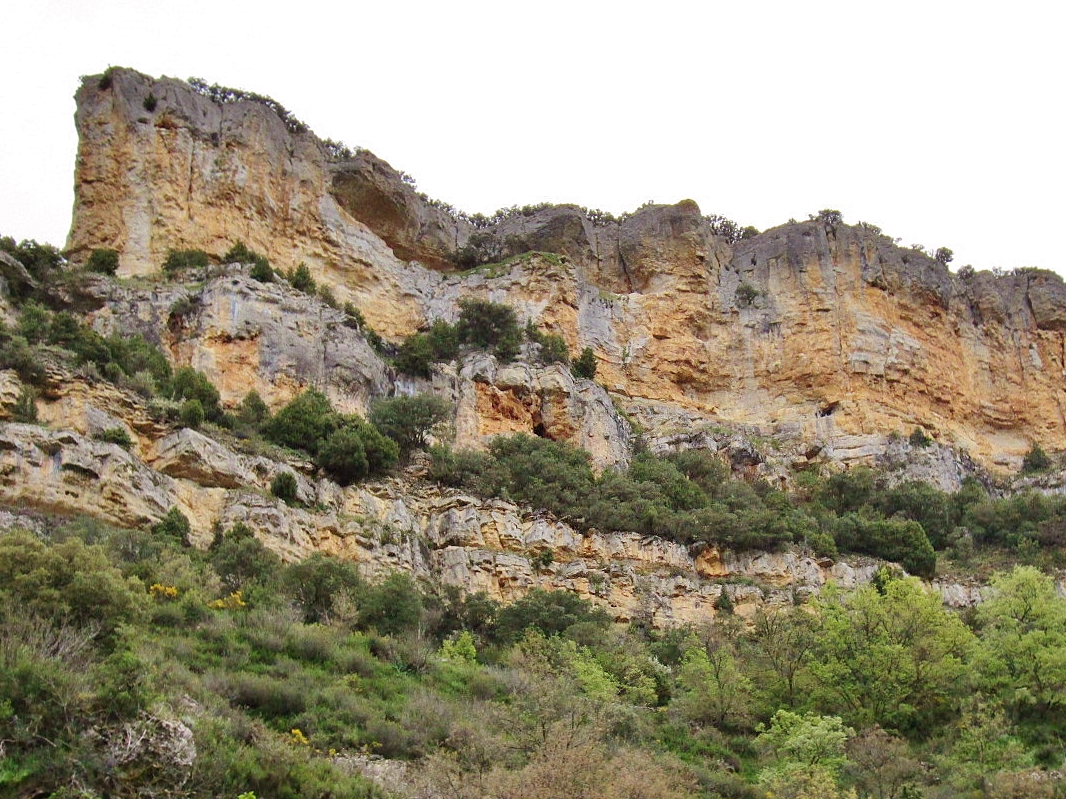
x,y
942,122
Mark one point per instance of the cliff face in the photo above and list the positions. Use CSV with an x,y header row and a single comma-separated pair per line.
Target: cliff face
x,y
825,337
437,535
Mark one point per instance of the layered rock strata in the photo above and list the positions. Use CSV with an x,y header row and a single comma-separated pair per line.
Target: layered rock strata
x,y
815,330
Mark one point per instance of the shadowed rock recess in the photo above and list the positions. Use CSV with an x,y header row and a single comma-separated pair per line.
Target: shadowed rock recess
x,y
812,344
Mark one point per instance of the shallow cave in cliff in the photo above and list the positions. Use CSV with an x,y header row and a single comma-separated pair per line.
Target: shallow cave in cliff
x,y
827,409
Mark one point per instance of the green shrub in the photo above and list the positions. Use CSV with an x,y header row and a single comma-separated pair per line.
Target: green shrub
x,y
35,322
104,261
343,456
253,412
542,473
300,279
319,584
918,438
551,347
240,254
303,423
25,409
16,353
174,527
150,103
327,297
240,559
584,365
1035,460
490,326
459,468
746,295
902,541
550,612
444,340
66,582
262,272
416,356
283,486
353,317
356,450
409,421
192,414
189,384
115,435
42,261
421,350
391,606
180,260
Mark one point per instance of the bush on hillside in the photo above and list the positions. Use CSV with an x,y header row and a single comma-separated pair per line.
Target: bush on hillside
x,y
409,421
179,260
104,261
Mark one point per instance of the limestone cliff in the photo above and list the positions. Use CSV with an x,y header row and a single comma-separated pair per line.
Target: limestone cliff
x,y
825,336
439,536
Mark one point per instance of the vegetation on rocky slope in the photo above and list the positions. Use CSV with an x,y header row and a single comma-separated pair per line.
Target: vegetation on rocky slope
x,y
132,664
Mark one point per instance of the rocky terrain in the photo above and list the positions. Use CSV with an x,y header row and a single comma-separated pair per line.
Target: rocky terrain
x,y
255,542
818,332
812,345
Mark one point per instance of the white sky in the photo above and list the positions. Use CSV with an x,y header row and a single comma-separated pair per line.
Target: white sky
x,y
942,122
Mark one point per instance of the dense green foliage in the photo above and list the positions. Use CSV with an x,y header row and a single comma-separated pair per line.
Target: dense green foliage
x,y
584,365
113,636
300,279
692,497
348,447
178,261
104,261
410,421
482,325
283,486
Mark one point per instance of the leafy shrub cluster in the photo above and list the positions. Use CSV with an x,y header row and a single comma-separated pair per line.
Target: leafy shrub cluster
x,y
691,497
130,360
488,326
177,261
730,230
108,637
104,261
550,347
42,263
300,279
239,253
687,498
347,447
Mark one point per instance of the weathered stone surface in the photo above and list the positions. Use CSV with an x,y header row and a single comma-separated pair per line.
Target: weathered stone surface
x,y
493,399
375,194
63,473
196,457
839,334
10,389
247,335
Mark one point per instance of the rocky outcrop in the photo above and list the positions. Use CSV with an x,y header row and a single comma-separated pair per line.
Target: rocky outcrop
x,y
375,194
63,473
816,330
437,536
244,335
500,399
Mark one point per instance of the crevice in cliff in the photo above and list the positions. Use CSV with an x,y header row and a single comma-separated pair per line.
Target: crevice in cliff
x,y
625,271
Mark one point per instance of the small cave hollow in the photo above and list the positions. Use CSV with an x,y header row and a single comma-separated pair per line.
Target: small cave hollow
x,y
827,409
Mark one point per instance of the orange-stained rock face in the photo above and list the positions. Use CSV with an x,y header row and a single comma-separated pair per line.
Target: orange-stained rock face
x,y
830,335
